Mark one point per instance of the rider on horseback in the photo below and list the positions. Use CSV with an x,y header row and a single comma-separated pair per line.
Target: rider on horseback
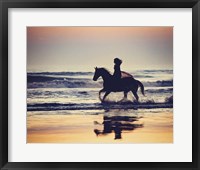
x,y
117,70
118,74
123,84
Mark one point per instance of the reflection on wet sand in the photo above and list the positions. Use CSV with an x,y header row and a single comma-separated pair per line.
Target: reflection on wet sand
x,y
117,125
100,126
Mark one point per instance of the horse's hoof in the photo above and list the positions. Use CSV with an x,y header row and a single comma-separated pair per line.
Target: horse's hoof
x,y
123,100
135,102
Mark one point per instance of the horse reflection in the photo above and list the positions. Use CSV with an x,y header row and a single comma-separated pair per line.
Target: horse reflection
x,y
117,124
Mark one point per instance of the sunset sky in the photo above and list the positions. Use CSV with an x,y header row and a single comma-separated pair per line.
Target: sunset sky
x,y
83,48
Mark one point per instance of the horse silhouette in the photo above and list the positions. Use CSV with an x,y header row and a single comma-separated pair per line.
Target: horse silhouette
x,y
111,84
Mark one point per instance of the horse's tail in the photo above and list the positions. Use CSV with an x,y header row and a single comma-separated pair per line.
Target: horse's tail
x,y
142,86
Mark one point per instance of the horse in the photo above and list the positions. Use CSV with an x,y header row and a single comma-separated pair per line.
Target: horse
x,y
111,84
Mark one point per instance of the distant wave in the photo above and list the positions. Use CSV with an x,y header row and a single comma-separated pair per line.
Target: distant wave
x,y
39,81
158,71
142,76
33,78
96,106
91,73
159,83
60,73
44,78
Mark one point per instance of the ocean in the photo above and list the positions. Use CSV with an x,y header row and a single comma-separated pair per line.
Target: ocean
x,y
65,103
67,90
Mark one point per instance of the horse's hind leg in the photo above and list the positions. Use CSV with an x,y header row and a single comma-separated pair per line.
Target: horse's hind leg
x,y
125,96
106,94
136,96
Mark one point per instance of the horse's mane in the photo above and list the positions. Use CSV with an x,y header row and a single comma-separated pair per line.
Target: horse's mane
x,y
105,70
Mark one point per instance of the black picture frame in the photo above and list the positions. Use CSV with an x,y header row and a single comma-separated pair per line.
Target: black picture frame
x,y
6,4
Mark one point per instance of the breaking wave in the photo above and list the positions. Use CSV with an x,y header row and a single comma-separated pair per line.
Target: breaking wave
x,y
40,81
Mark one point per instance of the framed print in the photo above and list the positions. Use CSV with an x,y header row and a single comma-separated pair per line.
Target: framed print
x,y
99,84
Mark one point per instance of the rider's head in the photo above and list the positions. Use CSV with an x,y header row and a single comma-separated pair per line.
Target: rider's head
x,y
117,61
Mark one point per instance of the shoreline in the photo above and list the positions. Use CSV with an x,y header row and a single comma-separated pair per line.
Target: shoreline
x,y
100,106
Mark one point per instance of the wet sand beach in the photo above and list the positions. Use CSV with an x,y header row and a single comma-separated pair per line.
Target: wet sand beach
x,y
100,126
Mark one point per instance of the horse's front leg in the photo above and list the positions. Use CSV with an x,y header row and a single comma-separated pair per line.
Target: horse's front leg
x,y
100,94
125,94
106,94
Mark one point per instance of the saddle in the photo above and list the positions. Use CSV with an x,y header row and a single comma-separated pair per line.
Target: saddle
x,y
118,83
125,74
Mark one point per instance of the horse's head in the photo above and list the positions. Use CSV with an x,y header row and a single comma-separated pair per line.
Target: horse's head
x,y
101,72
96,74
